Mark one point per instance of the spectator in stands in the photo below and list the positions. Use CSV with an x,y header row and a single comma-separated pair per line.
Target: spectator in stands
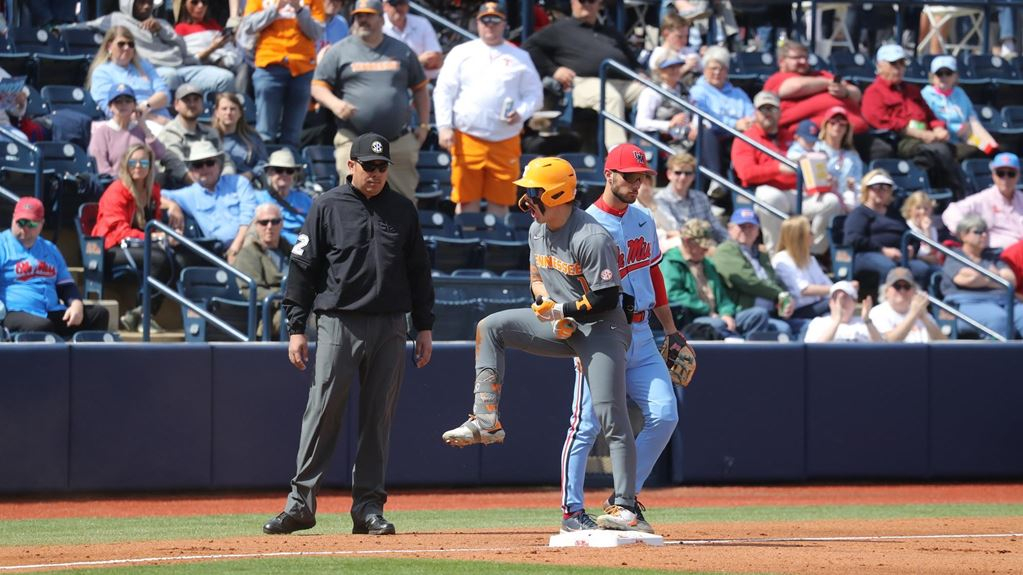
x,y
696,291
336,27
183,132
775,182
798,271
241,143
117,62
897,106
477,81
749,279
975,294
36,287
1013,257
667,228
1001,205
364,80
950,104
918,211
157,43
876,237
112,138
660,116
842,324
845,166
680,202
675,41
902,316
221,204
571,49
282,175
416,32
210,43
127,205
713,93
1007,32
285,57
808,94
264,258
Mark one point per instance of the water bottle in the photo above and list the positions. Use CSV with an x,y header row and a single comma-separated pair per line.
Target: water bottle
x,y
782,38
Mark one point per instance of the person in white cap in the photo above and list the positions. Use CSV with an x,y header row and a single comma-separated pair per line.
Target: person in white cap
x,y
916,133
184,131
952,105
281,189
842,324
1001,204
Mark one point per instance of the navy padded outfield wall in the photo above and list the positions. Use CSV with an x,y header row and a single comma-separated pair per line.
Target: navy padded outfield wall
x,y
130,417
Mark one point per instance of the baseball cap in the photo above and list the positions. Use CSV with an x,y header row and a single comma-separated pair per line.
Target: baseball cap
x,y
1005,160
369,147
491,9
808,131
699,230
940,62
202,150
186,90
765,98
832,112
880,178
119,90
891,53
670,59
282,159
744,216
899,274
368,7
845,286
29,208
627,158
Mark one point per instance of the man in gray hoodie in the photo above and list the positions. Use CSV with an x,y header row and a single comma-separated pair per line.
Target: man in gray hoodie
x,y
156,41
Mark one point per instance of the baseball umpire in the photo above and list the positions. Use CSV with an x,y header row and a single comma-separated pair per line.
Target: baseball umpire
x,y
648,381
360,263
579,316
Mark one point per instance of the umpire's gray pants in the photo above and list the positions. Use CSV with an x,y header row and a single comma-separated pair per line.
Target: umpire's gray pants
x,y
350,343
601,347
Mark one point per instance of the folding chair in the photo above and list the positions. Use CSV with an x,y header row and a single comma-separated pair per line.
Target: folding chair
x,y
939,16
840,35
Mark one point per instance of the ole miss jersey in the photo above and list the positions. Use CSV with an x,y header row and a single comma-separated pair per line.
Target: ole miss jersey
x,y
635,234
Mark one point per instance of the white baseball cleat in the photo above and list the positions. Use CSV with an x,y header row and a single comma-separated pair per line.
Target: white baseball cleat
x,y
471,433
618,517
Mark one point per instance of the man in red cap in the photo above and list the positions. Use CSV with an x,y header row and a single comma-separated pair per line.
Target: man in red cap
x,y
34,280
647,380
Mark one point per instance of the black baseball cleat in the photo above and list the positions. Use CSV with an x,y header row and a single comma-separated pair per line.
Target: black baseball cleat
x,y
285,523
373,525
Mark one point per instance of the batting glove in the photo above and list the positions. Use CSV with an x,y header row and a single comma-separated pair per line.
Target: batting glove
x,y
547,310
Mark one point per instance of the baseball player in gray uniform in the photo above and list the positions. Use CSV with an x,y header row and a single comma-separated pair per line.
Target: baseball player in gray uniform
x,y
580,316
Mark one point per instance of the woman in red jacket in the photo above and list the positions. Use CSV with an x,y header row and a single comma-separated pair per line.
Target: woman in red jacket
x,y
127,204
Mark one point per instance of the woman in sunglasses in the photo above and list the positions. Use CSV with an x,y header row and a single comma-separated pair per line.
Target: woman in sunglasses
x,y
281,189
127,205
117,62
950,104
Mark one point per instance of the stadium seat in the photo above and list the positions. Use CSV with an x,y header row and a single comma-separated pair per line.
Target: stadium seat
x,y
855,68
321,166
217,291
75,173
841,254
34,40
93,262
749,70
909,178
450,254
455,319
95,336
71,97
987,78
81,41
473,273
435,223
434,169
37,106
589,169
36,337
483,226
500,256
60,68
518,222
976,174
19,64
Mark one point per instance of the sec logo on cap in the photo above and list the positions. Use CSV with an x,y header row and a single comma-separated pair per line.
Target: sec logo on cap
x,y
377,147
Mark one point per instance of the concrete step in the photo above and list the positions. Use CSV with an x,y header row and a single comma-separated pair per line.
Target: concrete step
x,y
171,336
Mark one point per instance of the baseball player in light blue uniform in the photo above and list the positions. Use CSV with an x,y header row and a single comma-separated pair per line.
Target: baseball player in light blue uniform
x,y
648,382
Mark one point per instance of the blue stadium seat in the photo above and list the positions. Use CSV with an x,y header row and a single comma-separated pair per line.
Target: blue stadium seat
x,y
19,64
81,41
450,254
71,97
856,68
435,223
321,166
976,174
500,256
93,262
841,254
589,169
36,337
515,274
909,178
990,79
518,222
434,169
217,291
473,273
60,68
34,40
37,106
95,336
482,225
749,70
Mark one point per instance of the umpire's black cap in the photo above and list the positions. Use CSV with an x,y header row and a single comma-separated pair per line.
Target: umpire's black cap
x,y
369,147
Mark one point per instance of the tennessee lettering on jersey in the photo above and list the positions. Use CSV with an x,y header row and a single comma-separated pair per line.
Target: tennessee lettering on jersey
x,y
638,256
24,270
385,66
552,263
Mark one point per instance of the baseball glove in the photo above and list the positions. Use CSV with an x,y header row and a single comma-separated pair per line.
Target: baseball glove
x,y
680,358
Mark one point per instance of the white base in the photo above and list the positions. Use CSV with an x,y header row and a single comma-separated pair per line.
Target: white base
x,y
604,538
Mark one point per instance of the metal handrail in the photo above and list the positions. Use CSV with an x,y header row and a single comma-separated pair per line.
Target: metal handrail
x,y
16,139
9,195
1010,295
704,117
431,15
166,290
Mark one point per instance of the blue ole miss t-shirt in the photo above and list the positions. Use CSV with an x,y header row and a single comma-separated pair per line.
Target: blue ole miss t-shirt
x,y
29,278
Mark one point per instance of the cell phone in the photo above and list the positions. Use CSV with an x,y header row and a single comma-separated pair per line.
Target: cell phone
x,y
838,79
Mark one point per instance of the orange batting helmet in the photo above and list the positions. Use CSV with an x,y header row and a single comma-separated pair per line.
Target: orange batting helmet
x,y
555,176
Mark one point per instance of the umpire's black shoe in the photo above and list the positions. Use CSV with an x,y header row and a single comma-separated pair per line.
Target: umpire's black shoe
x,y
374,525
285,523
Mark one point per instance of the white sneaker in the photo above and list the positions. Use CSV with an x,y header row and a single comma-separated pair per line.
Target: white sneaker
x,y
619,518
472,433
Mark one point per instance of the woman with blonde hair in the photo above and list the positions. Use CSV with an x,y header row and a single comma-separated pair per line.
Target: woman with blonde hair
x,y
131,201
799,271
918,211
117,63
240,142
845,166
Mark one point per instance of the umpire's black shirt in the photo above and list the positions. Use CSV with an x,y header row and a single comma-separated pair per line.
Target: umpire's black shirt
x,y
360,254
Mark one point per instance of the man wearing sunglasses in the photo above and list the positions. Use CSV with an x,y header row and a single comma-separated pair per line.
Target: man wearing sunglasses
x,y
264,257
282,177
902,316
681,202
221,204
360,264
486,91
184,131
578,313
1001,205
35,285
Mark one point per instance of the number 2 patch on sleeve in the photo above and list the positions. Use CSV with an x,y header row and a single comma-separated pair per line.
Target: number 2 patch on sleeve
x,y
300,243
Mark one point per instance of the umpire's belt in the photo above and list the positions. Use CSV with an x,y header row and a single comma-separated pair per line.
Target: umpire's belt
x,y
638,317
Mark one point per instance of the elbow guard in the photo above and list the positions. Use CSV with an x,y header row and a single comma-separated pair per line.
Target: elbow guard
x,y
592,303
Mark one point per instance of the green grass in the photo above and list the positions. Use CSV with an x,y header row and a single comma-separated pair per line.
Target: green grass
x,y
74,531
347,565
